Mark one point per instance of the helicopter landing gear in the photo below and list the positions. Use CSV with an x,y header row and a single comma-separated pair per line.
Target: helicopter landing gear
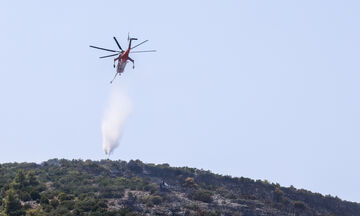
x,y
132,60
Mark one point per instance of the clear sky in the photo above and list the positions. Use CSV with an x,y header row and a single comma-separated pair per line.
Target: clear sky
x,y
261,89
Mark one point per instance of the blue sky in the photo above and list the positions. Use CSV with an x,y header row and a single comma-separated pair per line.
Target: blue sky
x,y
261,89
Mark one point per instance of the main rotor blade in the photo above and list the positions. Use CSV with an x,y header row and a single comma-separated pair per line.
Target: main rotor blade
x,y
109,55
139,44
143,51
109,50
118,44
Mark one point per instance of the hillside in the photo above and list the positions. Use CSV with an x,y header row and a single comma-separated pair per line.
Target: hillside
x,y
63,187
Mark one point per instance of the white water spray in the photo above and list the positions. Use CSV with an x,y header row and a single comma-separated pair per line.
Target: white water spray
x,y
116,113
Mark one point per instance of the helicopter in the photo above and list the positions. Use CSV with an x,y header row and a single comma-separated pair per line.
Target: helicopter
x,y
123,56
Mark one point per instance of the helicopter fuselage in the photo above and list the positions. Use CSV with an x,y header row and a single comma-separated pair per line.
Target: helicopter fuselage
x,y
121,66
122,61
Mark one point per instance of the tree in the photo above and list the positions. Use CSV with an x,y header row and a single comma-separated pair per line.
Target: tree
x,y
31,179
278,194
19,181
135,166
12,205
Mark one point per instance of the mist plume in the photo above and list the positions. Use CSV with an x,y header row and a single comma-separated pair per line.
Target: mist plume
x,y
116,113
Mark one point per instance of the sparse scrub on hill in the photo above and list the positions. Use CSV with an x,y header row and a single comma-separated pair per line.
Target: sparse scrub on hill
x,y
63,187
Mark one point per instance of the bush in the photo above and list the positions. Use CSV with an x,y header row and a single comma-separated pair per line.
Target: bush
x,y
189,182
54,203
156,200
86,205
47,208
69,204
299,205
24,196
201,195
134,166
62,211
63,196
35,212
35,195
44,199
278,194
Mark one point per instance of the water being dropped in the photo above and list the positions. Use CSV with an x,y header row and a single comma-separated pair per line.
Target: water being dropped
x,y
116,113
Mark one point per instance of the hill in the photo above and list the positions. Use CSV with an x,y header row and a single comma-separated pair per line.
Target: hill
x,y
63,187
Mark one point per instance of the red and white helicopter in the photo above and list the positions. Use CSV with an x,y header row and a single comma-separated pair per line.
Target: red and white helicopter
x,y
123,56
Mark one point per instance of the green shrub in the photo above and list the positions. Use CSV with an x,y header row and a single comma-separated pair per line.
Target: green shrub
x,y
24,196
156,200
69,204
61,211
35,212
35,195
47,208
135,166
54,203
44,199
201,195
63,196
86,205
